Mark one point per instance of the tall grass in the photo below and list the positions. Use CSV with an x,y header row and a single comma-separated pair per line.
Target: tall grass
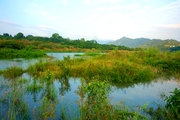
x,y
95,105
116,67
12,72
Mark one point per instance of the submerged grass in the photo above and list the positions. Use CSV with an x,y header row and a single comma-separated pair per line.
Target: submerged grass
x,y
94,104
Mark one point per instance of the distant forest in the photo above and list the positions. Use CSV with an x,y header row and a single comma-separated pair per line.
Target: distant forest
x,y
56,38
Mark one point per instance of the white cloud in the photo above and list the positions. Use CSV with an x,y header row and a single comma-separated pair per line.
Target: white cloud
x,y
38,11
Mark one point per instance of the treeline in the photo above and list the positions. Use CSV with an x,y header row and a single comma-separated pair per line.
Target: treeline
x,y
56,38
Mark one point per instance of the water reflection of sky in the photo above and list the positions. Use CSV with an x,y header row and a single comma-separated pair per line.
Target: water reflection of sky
x,y
24,63
134,95
141,94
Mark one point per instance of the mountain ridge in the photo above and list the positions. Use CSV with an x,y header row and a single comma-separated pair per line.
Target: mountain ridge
x,y
146,42
126,41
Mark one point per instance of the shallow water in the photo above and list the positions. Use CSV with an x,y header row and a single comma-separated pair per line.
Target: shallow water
x,y
24,63
64,90
135,95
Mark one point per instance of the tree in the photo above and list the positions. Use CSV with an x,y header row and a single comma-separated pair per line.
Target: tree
x,y
6,35
29,37
56,36
19,36
82,39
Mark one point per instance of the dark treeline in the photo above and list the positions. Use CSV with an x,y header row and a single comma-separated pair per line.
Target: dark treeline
x,y
56,38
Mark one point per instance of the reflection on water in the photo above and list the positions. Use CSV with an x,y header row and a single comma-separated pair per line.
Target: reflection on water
x,y
24,63
140,94
63,90
60,56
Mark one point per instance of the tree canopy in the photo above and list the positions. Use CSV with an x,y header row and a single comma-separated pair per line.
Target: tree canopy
x,y
56,38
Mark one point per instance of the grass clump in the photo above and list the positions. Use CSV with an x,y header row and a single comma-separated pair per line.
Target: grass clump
x,y
94,103
115,67
22,80
12,72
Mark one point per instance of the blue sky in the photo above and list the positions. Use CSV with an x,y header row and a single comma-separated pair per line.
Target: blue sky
x,y
92,19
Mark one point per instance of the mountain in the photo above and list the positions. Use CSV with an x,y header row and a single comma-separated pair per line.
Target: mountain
x,y
129,42
161,44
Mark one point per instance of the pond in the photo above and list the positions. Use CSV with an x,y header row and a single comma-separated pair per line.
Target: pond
x,y
64,89
24,63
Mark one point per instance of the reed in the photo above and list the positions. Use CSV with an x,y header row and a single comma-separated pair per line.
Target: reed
x,y
12,72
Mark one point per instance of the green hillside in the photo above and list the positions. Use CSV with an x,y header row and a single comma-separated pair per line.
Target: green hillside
x,y
161,44
129,42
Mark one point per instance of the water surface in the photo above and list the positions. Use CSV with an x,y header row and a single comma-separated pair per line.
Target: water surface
x,y
64,90
24,63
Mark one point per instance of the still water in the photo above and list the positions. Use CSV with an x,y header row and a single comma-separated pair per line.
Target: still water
x,y
24,63
64,90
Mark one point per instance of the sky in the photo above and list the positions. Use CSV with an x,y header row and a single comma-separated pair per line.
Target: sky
x,y
92,19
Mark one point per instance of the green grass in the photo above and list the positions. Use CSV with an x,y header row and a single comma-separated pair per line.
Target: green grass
x,y
13,53
94,104
12,72
115,67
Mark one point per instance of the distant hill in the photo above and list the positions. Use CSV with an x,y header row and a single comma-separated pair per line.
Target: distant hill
x,y
146,42
129,42
161,44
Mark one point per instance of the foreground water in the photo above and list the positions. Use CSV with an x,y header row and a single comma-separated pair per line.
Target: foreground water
x,y
64,91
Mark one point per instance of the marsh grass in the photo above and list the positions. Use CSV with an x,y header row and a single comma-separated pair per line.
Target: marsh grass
x,y
22,80
24,53
12,72
46,110
115,67
14,102
94,104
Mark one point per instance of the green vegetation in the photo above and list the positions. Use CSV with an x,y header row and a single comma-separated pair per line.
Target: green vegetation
x,y
30,46
116,67
129,42
18,49
12,53
46,110
163,45
95,105
60,42
171,111
97,71
12,72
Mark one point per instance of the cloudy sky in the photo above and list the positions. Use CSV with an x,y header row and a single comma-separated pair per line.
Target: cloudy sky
x,y
92,19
